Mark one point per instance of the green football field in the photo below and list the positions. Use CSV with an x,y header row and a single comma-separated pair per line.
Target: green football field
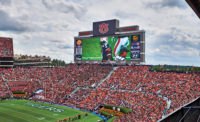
x,y
30,111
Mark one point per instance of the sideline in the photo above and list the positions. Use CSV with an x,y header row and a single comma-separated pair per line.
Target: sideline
x,y
94,113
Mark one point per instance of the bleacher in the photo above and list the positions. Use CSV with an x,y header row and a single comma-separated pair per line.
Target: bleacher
x,y
143,91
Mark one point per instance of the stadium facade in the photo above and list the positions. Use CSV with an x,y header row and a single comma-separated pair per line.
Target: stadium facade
x,y
23,61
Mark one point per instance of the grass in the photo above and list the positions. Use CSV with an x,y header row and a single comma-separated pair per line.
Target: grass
x,y
112,119
29,111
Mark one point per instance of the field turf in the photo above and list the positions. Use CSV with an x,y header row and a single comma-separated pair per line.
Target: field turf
x,y
30,111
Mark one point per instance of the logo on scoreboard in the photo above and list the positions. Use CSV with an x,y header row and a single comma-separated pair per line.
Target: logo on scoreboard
x,y
103,28
135,38
79,42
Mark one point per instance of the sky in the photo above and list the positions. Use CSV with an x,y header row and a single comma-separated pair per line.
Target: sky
x,y
48,27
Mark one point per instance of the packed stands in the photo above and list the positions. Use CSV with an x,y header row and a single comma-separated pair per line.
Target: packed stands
x,y
6,47
6,52
17,85
4,90
126,77
57,82
143,91
181,88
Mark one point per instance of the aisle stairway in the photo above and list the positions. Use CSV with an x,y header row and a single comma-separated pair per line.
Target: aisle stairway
x,y
114,69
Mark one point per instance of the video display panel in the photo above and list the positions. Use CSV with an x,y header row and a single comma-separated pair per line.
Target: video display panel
x,y
112,48
6,47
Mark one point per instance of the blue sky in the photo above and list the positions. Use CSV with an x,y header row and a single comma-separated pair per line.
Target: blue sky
x,y
47,27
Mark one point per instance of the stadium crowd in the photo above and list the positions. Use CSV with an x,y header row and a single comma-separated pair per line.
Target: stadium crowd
x,y
83,86
6,48
56,82
4,90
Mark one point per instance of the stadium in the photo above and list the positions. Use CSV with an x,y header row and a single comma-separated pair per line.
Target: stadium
x,y
108,82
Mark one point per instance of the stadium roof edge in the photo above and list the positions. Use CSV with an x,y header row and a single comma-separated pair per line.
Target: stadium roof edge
x,y
177,110
127,32
118,29
195,5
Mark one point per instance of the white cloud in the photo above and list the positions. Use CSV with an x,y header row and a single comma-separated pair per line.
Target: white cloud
x,y
52,25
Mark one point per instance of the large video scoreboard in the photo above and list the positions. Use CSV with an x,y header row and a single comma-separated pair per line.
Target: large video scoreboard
x,y
109,43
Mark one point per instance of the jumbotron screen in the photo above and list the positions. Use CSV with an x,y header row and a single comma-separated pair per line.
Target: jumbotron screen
x,y
6,47
112,48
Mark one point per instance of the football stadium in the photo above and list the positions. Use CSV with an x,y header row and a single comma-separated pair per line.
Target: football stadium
x,y
108,81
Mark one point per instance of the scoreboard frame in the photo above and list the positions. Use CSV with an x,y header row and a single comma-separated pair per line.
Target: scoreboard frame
x,y
119,31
